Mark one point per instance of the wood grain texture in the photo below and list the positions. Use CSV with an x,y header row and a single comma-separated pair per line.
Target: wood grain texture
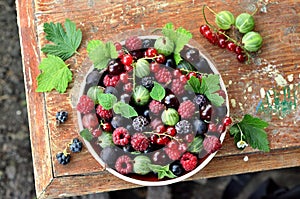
x,y
103,20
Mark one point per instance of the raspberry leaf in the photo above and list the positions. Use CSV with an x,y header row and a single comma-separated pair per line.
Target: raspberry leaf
x,y
158,92
209,86
106,100
100,53
162,171
194,83
180,37
251,130
86,134
124,109
55,75
65,41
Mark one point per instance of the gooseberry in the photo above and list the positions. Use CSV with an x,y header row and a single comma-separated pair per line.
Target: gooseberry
x,y
252,41
244,22
224,20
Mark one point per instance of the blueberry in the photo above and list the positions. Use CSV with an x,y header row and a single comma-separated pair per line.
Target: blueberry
x,y
170,63
117,121
125,98
176,168
128,148
111,90
200,127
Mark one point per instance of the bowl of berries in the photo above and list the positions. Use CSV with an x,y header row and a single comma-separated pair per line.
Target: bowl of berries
x,y
153,109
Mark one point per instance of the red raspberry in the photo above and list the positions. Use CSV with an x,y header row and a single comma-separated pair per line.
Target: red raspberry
x,y
156,107
177,87
211,144
124,164
121,136
85,104
104,114
173,150
188,161
163,75
139,142
111,80
186,109
133,43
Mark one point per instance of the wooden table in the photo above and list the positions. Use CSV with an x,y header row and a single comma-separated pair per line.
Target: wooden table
x,y
248,85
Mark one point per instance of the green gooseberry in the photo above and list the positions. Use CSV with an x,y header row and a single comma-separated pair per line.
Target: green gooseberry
x,y
224,19
244,22
252,41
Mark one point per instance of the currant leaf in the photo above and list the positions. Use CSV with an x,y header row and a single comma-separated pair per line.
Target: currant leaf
x,y
55,75
66,41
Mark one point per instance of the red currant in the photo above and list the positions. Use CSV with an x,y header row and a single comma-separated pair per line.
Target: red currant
x,y
153,139
124,77
154,67
97,132
106,127
177,73
128,87
151,52
220,35
127,59
212,127
171,131
241,57
227,121
183,79
189,137
190,74
128,68
222,43
203,28
211,37
238,50
161,129
163,140
160,58
231,46
220,128
118,46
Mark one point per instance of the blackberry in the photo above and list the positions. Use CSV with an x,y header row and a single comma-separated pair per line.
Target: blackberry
x,y
147,82
63,158
139,123
61,116
201,100
76,145
183,127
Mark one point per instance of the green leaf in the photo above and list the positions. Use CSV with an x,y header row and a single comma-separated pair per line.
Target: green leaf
x,y
180,37
253,132
196,145
194,82
209,86
100,53
124,110
86,134
55,75
162,171
65,41
158,92
106,100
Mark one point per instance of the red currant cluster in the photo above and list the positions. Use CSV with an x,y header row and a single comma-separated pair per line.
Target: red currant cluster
x,y
222,41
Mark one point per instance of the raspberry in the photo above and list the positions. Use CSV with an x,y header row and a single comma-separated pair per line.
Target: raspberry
x,y
188,161
201,100
163,75
211,144
172,150
156,107
186,109
104,114
121,136
139,142
177,87
139,123
111,80
133,43
124,164
85,104
183,127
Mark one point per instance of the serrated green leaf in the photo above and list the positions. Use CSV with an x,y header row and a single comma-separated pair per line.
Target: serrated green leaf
x,y
101,53
215,99
106,100
194,82
162,171
255,135
124,110
65,41
209,85
86,134
55,75
157,92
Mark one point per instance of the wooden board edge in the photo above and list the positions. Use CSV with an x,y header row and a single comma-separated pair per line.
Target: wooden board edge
x,y
39,135
68,186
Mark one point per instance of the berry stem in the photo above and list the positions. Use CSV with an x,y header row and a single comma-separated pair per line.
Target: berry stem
x,y
242,134
211,10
